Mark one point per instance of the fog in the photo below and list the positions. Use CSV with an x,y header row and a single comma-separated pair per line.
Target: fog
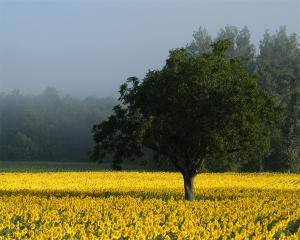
x,y
90,47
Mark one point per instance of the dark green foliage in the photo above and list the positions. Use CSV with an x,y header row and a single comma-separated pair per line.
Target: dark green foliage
x,y
290,229
48,127
194,109
277,66
172,107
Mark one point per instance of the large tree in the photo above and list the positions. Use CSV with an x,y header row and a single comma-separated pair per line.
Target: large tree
x,y
192,109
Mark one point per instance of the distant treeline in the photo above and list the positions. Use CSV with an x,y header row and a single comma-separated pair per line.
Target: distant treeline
x,y
48,127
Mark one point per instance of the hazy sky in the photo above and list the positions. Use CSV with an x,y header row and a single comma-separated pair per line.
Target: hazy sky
x,y
90,47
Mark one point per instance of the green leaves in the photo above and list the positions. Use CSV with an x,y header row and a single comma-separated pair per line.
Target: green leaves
x,y
194,108
220,46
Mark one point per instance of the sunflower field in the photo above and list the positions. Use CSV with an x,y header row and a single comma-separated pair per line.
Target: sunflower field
x,y
144,205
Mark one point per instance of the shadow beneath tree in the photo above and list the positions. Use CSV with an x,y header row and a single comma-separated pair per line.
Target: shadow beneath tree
x,y
217,194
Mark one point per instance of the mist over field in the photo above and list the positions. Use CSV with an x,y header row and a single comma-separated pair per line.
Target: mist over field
x,y
90,47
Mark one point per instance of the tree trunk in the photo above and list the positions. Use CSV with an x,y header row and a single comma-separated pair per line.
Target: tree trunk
x,y
188,180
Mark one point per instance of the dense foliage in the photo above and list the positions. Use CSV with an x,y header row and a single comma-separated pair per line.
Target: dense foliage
x,y
131,205
277,66
47,126
193,110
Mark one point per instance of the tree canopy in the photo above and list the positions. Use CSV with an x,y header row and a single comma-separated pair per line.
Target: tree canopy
x,y
277,68
192,110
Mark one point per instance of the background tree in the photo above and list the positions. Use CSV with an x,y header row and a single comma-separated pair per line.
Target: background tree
x,y
201,43
193,109
279,73
240,44
26,148
48,127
